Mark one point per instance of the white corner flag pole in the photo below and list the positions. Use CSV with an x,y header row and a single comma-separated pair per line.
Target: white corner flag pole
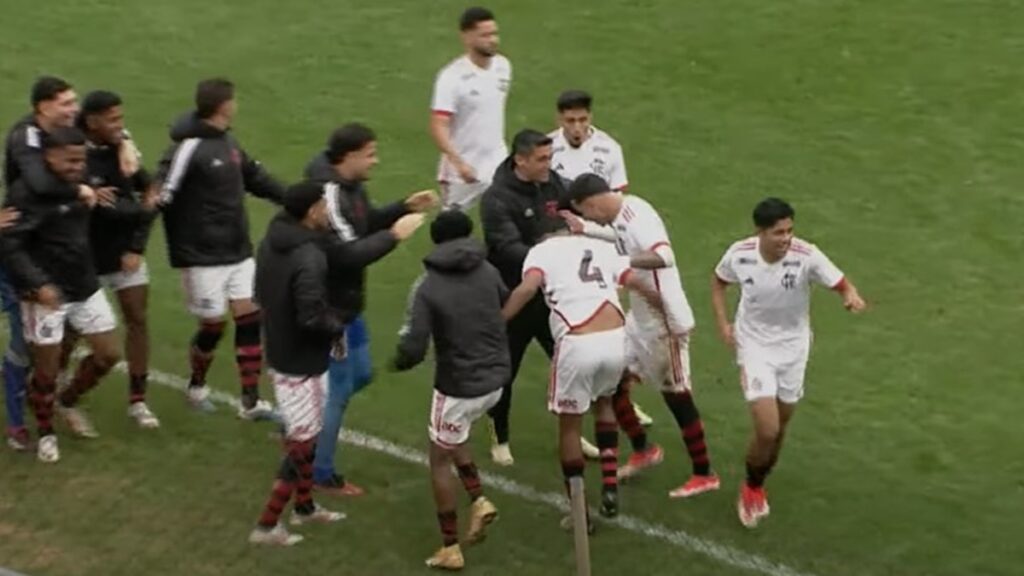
x,y
579,525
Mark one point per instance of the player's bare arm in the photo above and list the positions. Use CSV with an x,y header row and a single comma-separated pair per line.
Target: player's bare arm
x,y
650,296
440,131
522,295
852,300
725,330
648,260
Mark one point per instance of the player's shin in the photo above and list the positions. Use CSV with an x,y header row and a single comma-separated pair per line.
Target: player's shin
x,y
249,356
204,342
136,341
626,416
684,410
608,445
443,484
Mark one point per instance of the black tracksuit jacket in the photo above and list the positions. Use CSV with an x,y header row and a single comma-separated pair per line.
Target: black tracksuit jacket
x,y
113,232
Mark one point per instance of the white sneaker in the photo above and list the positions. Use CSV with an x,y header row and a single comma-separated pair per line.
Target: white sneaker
x,y
501,454
276,536
320,515
46,449
142,416
590,452
645,419
199,398
78,422
262,410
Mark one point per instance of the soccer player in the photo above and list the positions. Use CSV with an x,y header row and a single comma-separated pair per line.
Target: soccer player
x,y
522,201
291,286
457,303
579,277
362,234
204,176
658,346
48,259
772,332
468,112
579,147
118,237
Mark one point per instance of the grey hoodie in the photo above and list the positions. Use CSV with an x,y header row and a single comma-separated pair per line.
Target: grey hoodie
x,y
458,302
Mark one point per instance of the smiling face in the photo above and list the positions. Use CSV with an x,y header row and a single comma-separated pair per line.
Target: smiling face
x,y
59,111
67,162
776,239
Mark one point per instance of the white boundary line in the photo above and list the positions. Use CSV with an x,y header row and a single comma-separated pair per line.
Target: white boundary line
x,y
719,552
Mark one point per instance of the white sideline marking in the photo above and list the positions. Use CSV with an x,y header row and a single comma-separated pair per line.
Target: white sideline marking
x,y
719,552
9,572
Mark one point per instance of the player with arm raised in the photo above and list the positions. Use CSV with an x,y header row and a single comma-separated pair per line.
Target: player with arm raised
x,y
658,345
467,120
772,332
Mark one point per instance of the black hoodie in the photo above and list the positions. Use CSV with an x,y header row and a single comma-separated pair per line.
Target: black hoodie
x,y
204,176
458,302
291,288
514,214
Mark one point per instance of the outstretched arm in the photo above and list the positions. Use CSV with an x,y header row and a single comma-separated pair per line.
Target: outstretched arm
x,y
532,281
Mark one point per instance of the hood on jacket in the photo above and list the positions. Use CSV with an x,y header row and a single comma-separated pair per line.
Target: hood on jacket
x,y
188,125
285,233
320,169
462,255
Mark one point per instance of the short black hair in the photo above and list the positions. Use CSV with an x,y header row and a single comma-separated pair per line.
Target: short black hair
x,y
349,138
770,210
553,225
524,142
473,16
450,225
97,102
211,94
574,100
47,88
63,136
587,185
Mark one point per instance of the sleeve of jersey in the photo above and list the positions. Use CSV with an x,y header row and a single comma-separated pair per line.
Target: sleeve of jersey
x,y
443,101
649,230
725,271
534,263
823,271
618,179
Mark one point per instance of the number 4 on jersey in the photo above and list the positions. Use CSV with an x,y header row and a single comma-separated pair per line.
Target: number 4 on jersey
x,y
590,273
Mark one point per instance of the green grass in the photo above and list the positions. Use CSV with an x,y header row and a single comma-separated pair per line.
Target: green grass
x,y
894,127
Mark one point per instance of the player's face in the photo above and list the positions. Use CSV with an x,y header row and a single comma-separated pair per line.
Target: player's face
x,y
576,125
536,166
108,126
229,109
483,38
775,240
361,162
61,110
67,162
599,208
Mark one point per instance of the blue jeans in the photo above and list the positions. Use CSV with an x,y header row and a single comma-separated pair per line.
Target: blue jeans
x,y
16,359
345,378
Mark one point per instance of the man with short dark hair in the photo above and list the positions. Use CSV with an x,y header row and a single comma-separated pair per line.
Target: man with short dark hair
x,y
772,332
361,235
118,236
457,304
468,111
524,197
47,256
204,176
291,286
579,147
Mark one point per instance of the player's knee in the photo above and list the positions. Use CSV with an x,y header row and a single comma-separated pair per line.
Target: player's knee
x,y
106,358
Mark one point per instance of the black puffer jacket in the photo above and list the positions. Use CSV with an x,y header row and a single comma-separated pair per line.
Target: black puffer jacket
x,y
291,288
125,227
457,302
204,176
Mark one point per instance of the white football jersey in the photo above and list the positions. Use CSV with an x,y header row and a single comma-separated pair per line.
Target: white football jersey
x,y
639,228
775,299
599,154
581,275
474,98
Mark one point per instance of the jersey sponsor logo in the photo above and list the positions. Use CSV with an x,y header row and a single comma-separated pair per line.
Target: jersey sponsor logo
x,y
791,263
601,150
451,427
206,304
217,163
95,181
474,92
742,261
789,280
467,76
568,404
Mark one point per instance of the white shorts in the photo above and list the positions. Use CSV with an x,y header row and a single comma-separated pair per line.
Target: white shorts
x,y
768,374
45,326
585,367
462,195
208,289
117,281
300,402
657,357
452,418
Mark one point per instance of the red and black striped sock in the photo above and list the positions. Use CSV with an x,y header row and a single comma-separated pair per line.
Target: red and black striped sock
x,y
41,396
608,446
86,378
204,342
301,454
449,522
688,418
470,480
137,387
275,504
249,356
625,415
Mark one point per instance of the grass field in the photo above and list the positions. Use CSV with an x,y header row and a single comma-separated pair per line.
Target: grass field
x,y
894,127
